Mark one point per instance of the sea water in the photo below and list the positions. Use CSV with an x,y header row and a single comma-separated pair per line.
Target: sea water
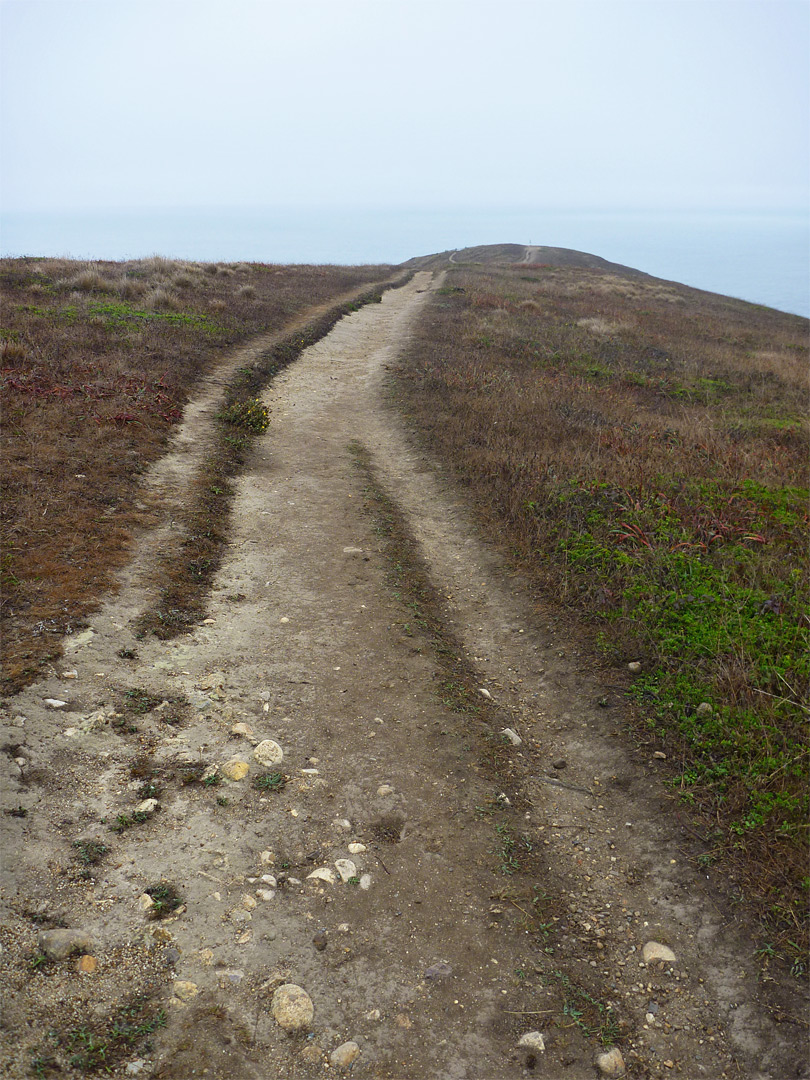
x,y
760,257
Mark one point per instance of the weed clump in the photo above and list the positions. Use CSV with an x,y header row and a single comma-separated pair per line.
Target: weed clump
x,y
251,415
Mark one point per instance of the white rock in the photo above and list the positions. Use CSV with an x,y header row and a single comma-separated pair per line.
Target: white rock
x,y
145,902
534,1041
69,675
270,880
365,882
248,902
385,789
75,641
55,703
356,849
245,730
268,753
660,755
611,1063
265,894
342,823
70,732
634,667
482,690
343,1057
148,806
292,1007
352,551
704,709
654,951
512,736
346,868
323,873
267,858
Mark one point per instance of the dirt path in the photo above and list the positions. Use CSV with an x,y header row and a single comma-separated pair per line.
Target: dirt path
x,y
434,956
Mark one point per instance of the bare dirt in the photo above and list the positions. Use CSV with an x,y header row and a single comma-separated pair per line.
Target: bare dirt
x,y
495,894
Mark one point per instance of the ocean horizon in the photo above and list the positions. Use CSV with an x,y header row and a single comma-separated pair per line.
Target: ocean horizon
x,y
761,257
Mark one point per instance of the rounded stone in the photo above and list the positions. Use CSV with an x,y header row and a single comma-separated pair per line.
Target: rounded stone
x,y
345,1055
654,951
59,944
235,769
88,964
323,873
346,868
611,1063
292,1007
148,806
268,753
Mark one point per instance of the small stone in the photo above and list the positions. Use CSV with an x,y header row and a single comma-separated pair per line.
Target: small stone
x,y
270,880
265,894
249,902
560,763
439,971
76,641
654,951
136,1067
243,730
323,873
343,1057
365,882
346,868
660,755
704,709
284,619
373,1014
385,789
512,736
69,675
482,690
268,753
352,551
292,1007
533,1041
148,806
311,1055
342,823
634,668
185,990
343,928
319,941
356,849
55,703
88,964
267,858
235,769
59,944
611,1063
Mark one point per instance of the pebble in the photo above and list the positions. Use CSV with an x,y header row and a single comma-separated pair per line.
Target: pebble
x,y
88,964
384,789
512,736
59,944
148,806
482,690
653,951
343,1057
346,868
660,755
270,880
611,1063
319,941
185,990
136,1067
266,858
249,902
704,709
55,703
365,882
356,849
635,668
69,675
323,873
561,763
245,730
292,1007
235,769
533,1041
145,902
311,1055
343,823
265,894
268,753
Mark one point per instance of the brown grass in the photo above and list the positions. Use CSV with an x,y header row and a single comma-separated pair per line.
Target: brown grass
x,y
95,375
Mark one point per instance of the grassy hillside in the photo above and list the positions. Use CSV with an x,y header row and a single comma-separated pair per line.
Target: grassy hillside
x,y
98,361
641,448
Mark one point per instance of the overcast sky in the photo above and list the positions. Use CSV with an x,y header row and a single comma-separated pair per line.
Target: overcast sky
x,y
643,103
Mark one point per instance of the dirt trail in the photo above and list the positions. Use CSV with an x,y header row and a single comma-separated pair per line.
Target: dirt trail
x,y
430,957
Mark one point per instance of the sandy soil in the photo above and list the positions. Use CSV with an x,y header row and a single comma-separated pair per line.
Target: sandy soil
x,y
430,957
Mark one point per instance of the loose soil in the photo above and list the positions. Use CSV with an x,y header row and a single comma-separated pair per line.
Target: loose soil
x,y
501,888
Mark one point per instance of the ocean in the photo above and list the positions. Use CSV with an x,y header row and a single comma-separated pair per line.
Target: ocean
x,y
760,257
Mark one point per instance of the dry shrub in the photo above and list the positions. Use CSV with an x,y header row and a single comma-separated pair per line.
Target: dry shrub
x,y
162,299
247,292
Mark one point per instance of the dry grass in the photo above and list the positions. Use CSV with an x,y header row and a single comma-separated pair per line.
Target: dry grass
x,y
641,448
98,361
